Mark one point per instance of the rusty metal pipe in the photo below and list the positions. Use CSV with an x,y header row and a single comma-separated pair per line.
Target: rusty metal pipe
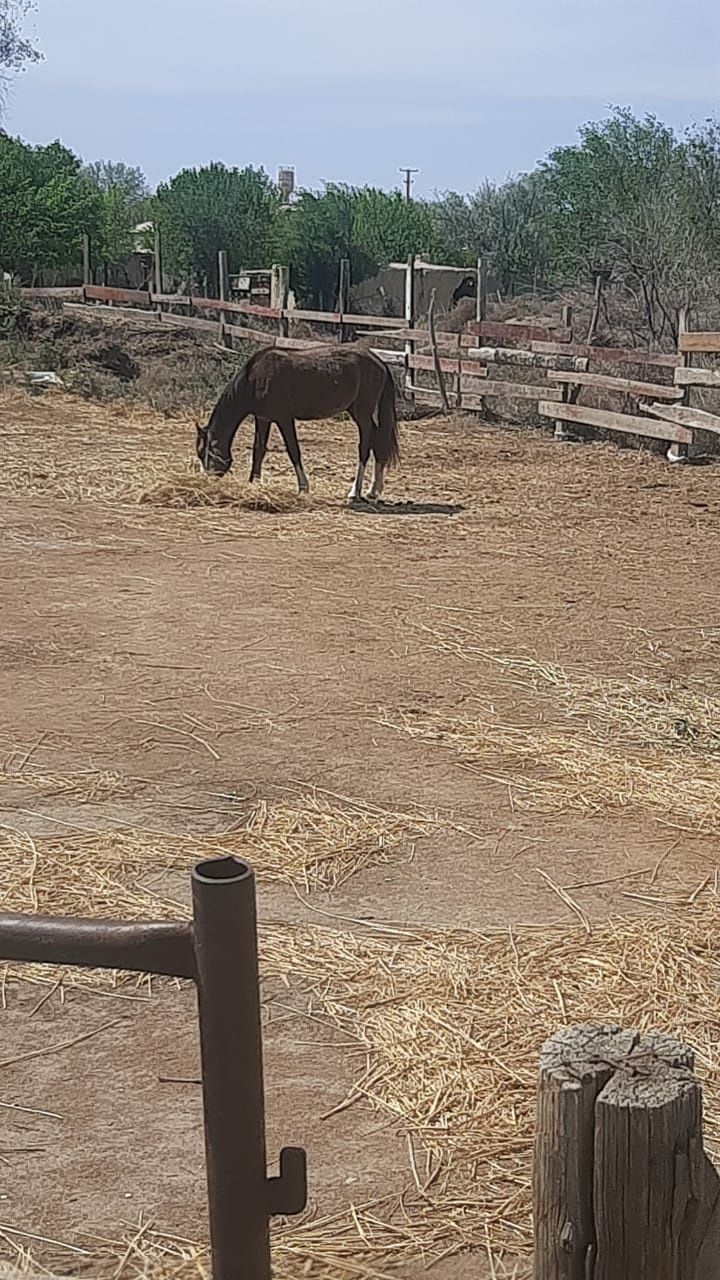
x,y
225,932
140,946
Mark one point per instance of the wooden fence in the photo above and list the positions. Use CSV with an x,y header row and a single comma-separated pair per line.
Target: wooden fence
x,y
488,359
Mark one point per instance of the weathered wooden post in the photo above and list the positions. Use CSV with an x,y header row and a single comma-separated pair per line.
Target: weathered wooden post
x,y
622,1187
279,292
224,292
87,260
678,451
158,268
343,299
409,321
480,308
437,362
481,293
595,314
569,393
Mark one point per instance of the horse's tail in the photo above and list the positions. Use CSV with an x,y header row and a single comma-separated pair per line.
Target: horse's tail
x,y
385,442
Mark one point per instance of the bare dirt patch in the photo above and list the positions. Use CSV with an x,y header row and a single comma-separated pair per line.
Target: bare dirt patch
x,y
179,675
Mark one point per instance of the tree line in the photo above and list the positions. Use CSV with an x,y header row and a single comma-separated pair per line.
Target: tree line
x,y
631,201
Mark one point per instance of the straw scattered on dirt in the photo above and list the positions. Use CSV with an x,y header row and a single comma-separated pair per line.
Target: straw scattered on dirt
x,y
598,742
86,785
451,1027
309,842
448,1028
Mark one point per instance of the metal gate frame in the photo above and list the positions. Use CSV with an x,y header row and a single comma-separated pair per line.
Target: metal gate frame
x,y
218,950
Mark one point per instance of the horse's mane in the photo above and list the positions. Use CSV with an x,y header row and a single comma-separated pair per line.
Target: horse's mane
x,y
225,410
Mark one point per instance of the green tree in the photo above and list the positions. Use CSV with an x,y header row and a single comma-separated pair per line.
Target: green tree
x,y
616,203
46,203
507,224
15,48
125,195
369,227
200,211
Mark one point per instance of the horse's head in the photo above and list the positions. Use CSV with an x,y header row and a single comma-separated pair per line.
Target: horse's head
x,y
212,457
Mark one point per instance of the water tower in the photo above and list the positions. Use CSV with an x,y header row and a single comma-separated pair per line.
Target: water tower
x,y
286,184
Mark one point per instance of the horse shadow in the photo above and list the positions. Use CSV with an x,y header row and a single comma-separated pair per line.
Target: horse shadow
x,y
377,507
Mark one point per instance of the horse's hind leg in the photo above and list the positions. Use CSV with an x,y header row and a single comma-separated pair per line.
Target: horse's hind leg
x,y
289,435
365,429
262,431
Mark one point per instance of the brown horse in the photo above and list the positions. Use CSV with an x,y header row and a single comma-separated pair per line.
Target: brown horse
x,y
281,386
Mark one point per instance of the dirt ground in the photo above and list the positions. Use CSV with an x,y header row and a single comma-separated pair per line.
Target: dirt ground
x,y
300,641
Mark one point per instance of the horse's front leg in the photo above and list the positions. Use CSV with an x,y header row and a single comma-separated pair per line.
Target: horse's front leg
x,y
289,435
260,442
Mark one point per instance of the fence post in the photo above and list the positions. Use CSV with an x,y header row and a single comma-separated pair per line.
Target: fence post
x,y
409,321
481,293
567,318
158,267
622,1188
595,314
87,260
343,299
481,309
439,375
677,451
279,292
223,292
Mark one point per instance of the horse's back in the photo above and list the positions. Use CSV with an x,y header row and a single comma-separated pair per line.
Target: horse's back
x,y
314,382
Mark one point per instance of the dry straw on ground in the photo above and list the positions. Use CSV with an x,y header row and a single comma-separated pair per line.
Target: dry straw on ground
x,y
592,742
309,841
449,1027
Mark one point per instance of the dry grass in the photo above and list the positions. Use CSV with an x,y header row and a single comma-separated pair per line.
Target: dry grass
x,y
596,743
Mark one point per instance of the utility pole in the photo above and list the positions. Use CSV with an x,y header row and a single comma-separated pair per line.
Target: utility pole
x,y
408,181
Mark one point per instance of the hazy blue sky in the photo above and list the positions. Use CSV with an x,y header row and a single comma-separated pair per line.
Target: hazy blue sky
x,y
462,89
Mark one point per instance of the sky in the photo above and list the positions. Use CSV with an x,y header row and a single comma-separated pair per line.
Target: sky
x,y
462,90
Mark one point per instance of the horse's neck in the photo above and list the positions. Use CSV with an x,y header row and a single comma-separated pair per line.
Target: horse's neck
x,y
228,415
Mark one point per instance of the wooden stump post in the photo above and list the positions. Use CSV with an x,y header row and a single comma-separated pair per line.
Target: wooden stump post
x,y
623,1189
